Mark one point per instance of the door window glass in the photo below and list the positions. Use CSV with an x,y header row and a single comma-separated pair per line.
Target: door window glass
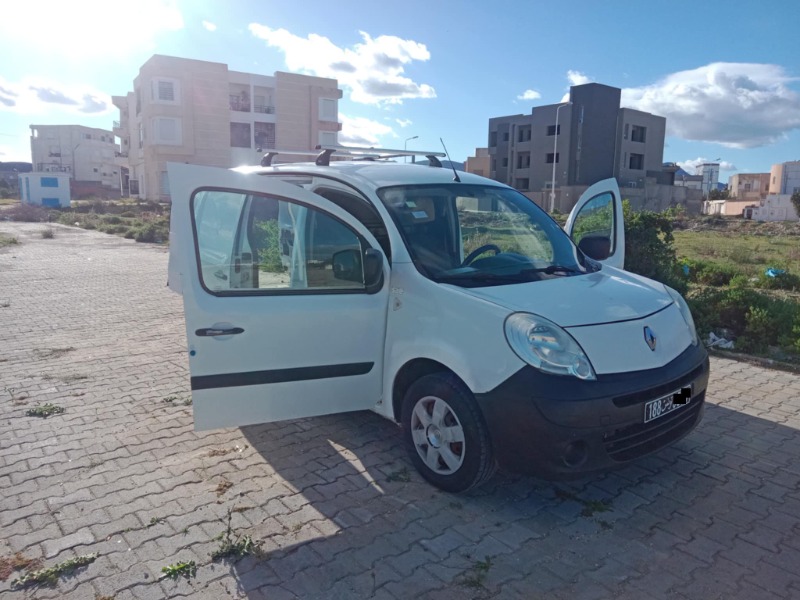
x,y
249,243
593,228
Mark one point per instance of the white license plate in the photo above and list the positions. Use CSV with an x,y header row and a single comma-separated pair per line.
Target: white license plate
x,y
663,406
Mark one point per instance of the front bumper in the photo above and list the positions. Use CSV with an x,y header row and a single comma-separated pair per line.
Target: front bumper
x,y
561,427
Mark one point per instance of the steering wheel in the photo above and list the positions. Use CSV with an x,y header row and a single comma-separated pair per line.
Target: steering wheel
x,y
478,251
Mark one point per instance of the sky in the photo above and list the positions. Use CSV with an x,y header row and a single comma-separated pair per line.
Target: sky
x,y
725,75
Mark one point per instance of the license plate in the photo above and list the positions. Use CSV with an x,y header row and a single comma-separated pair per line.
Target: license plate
x,y
663,406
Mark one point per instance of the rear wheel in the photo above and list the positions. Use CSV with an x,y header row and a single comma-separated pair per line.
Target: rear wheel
x,y
445,434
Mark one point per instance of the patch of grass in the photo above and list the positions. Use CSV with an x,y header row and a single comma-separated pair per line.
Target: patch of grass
x,y
48,233
69,378
223,487
8,240
53,352
51,575
45,410
181,569
155,521
18,562
170,399
234,548
589,506
476,576
187,402
401,475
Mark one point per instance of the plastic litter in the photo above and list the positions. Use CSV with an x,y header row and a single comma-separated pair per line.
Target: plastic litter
x,y
715,341
772,272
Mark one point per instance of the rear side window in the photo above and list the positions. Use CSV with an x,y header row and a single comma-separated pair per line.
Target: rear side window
x,y
251,244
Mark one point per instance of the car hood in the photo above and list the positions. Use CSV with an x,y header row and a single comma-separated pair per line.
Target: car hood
x,y
607,296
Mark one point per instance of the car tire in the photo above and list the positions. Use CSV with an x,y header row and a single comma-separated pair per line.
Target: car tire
x,y
445,434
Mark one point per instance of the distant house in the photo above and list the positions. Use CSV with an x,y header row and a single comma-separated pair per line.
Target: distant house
x,y
776,207
45,189
749,186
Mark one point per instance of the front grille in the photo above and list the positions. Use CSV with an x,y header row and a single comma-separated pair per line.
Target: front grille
x,y
658,391
643,438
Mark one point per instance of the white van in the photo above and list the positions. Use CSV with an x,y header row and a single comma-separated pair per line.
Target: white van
x,y
451,305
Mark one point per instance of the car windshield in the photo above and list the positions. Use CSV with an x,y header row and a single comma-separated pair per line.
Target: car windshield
x,y
476,235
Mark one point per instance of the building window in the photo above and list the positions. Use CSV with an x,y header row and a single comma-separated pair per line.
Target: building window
x,y
747,187
141,135
166,91
327,138
505,136
524,134
554,129
523,183
638,133
240,135
492,139
524,160
505,161
327,110
550,156
627,129
637,162
163,181
167,130
49,182
494,164
264,134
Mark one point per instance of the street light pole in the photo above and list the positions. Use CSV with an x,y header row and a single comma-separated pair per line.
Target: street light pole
x,y
555,155
405,145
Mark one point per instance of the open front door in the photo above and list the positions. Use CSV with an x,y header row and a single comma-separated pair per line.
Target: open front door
x,y
284,295
596,225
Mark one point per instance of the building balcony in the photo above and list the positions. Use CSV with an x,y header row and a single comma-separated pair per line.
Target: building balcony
x,y
238,103
264,109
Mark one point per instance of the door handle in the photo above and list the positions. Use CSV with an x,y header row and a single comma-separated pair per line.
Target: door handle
x,y
212,331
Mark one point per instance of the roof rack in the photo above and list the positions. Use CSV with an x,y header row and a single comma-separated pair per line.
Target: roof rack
x,y
323,154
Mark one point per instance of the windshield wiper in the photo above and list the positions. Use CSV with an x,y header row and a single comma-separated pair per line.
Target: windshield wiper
x,y
483,277
552,269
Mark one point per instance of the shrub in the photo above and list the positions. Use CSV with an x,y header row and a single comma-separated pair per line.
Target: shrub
x,y
784,281
648,247
48,234
710,273
112,220
151,233
128,214
29,213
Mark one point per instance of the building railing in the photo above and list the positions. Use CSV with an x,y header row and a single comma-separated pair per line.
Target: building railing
x,y
238,104
265,109
119,154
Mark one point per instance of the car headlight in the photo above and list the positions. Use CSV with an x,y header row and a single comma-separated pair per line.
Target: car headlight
x,y
685,312
546,346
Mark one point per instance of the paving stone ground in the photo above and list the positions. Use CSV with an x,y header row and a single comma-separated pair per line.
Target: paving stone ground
x,y
87,323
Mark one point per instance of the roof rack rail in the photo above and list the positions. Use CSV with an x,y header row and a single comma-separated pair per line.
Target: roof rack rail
x,y
323,154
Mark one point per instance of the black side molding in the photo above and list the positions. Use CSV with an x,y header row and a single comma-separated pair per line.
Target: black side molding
x,y
207,382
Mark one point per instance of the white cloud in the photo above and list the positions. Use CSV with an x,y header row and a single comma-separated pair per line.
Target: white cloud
x,y
209,25
739,105
88,28
360,131
373,70
690,165
578,78
38,96
529,95
404,122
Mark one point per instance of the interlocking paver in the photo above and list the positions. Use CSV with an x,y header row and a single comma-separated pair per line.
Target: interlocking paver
x,y
713,516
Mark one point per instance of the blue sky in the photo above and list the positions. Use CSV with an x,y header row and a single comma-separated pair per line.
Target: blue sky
x,y
727,80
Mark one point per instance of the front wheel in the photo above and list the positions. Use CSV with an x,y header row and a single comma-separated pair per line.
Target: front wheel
x,y
446,437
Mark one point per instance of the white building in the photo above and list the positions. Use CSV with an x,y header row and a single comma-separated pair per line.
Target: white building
x,y
784,178
86,154
710,174
185,110
776,207
45,189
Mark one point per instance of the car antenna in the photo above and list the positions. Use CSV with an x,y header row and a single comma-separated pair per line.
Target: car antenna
x,y
456,178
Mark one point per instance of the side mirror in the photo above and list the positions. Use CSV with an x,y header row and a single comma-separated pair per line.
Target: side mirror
x,y
347,266
373,269
597,247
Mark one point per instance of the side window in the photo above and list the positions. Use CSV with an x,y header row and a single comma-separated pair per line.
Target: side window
x,y
593,229
248,243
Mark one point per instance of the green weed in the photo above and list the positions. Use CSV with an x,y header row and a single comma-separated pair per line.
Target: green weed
x,y
50,576
181,569
45,410
234,548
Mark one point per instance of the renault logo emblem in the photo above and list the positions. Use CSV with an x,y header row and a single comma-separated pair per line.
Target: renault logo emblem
x,y
650,338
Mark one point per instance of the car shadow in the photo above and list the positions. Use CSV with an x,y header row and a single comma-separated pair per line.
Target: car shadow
x,y
348,516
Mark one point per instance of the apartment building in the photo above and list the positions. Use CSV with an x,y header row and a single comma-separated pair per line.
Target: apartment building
x,y
86,154
577,143
186,110
480,163
749,186
784,178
